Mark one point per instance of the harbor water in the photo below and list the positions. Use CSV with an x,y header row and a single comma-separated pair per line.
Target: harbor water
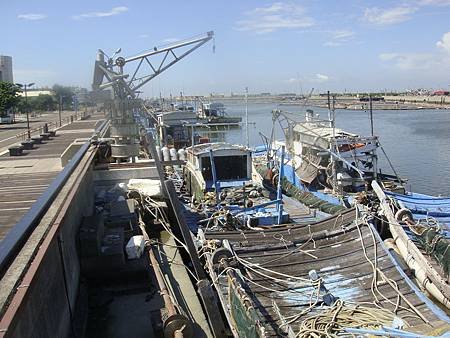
x,y
416,141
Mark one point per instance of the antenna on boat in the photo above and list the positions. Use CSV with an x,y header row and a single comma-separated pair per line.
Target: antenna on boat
x,y
246,116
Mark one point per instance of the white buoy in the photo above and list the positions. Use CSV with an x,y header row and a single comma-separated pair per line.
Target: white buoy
x,y
182,154
165,153
173,154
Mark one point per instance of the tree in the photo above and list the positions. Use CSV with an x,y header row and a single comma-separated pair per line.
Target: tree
x,y
9,96
43,102
66,93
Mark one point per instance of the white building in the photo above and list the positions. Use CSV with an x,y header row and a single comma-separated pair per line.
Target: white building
x,y
6,70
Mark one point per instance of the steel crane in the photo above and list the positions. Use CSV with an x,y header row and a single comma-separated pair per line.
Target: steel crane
x,y
111,73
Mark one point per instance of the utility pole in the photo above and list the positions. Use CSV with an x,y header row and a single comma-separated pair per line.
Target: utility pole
x,y
246,116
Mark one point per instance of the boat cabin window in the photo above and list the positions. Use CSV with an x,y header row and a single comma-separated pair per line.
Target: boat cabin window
x,y
227,168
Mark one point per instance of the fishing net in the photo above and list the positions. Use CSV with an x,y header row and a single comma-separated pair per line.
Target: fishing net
x,y
437,245
305,197
308,199
245,318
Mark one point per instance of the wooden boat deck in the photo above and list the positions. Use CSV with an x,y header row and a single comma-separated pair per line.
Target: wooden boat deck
x,y
272,261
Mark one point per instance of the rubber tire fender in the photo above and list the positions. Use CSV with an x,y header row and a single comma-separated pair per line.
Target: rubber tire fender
x,y
403,213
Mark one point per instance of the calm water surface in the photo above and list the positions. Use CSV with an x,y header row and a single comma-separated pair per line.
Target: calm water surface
x,y
416,141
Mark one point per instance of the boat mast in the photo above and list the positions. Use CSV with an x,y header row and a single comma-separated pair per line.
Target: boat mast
x,y
371,114
333,144
332,141
374,158
246,116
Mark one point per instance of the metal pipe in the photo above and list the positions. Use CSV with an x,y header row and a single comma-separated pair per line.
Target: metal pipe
x,y
170,307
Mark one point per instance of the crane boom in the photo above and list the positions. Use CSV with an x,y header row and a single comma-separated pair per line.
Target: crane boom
x,y
123,85
109,72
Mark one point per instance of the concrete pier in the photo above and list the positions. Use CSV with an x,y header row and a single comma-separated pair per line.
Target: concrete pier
x,y
24,178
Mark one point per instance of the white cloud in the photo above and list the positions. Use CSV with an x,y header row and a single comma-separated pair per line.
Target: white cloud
x,y
390,16
293,80
420,61
343,34
434,2
31,16
143,36
387,56
113,11
277,16
410,61
339,38
321,78
444,43
170,40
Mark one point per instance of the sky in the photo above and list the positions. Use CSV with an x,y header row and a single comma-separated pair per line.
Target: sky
x,y
267,46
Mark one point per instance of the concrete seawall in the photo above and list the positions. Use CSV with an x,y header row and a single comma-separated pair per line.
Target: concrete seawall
x,y
39,290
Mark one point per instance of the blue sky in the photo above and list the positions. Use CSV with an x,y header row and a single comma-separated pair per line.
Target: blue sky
x,y
267,46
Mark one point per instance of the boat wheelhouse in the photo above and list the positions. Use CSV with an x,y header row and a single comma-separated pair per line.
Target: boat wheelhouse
x,y
331,163
216,164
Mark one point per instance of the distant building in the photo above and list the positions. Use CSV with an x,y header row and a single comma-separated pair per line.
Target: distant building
x,y
37,92
6,70
441,92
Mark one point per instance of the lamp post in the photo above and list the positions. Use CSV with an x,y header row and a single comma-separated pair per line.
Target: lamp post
x,y
60,108
75,106
25,86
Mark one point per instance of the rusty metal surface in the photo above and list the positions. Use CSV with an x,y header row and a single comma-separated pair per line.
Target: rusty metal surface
x,y
334,248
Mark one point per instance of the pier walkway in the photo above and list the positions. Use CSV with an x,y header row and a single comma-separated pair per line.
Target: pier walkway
x,y
24,178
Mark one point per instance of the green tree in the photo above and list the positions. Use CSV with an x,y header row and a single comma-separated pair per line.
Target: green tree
x,y
9,97
66,94
43,102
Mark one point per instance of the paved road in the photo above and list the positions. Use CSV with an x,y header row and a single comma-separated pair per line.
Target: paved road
x,y
8,132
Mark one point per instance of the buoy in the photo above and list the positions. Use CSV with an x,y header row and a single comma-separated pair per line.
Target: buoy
x,y
165,153
173,154
182,154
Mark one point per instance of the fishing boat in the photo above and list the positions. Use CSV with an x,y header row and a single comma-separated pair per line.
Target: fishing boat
x,y
216,112
419,225
332,164
332,277
308,274
226,191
